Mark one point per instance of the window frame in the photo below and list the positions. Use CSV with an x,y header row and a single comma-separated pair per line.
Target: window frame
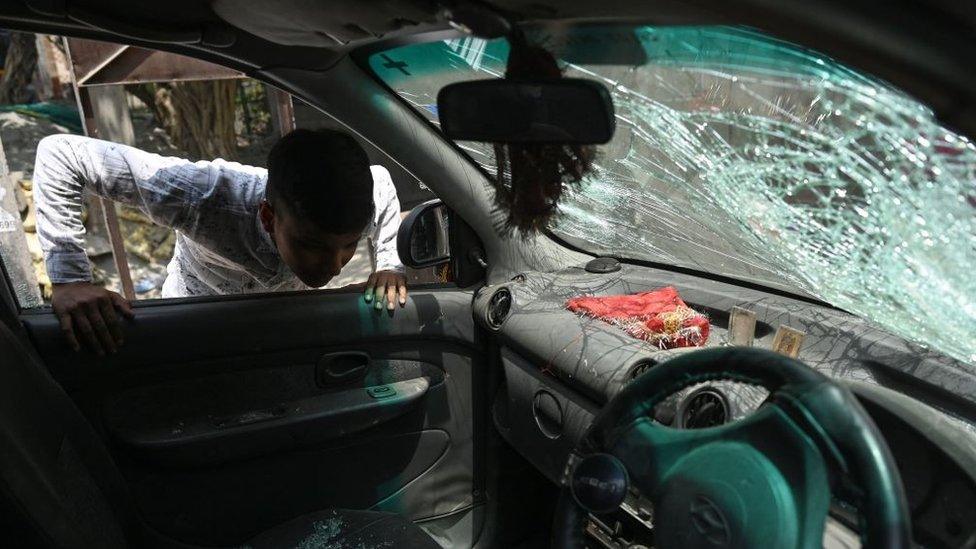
x,y
8,298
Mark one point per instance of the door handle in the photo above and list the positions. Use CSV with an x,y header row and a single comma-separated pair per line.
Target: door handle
x,y
341,368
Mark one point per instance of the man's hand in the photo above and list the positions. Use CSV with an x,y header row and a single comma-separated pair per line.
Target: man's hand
x,y
88,313
388,285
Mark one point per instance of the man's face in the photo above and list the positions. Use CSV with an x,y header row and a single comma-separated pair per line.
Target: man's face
x,y
313,255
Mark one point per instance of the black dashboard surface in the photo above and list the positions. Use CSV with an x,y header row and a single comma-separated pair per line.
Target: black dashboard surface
x,y
561,368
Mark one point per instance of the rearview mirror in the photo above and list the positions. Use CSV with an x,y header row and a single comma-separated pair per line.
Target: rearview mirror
x,y
424,239
564,111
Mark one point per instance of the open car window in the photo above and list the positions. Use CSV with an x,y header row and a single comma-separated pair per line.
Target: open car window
x,y
741,155
53,225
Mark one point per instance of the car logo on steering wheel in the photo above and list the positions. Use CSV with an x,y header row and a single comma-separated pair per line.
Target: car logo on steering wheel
x,y
708,520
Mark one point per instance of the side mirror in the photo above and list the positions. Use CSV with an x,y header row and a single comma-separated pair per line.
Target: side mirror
x,y
424,239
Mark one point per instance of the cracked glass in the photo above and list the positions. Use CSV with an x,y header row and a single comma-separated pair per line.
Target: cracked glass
x,y
741,155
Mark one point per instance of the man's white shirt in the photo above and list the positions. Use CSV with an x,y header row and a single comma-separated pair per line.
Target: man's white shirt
x,y
221,247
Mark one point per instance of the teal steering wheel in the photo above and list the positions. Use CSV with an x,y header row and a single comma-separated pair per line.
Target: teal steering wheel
x,y
763,481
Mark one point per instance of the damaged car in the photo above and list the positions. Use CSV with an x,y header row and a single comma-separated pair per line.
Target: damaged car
x,y
706,280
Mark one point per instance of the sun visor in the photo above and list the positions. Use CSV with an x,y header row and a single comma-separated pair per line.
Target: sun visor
x,y
328,23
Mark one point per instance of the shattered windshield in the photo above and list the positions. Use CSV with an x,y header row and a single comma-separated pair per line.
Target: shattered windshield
x,y
741,155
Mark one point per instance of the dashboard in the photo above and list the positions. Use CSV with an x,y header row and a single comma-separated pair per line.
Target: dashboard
x,y
560,368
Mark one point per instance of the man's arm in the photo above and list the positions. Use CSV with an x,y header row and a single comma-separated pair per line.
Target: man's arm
x,y
388,280
161,187
66,165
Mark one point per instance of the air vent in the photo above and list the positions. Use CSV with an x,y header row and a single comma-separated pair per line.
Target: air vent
x,y
498,308
640,368
705,407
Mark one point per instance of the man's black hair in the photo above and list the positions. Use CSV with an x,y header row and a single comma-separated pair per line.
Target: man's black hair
x,y
323,178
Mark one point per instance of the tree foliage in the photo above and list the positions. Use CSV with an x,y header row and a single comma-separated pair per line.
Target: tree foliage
x,y
198,116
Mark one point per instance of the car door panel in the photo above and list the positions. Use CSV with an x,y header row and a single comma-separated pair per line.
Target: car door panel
x,y
228,503
230,416
189,330
204,439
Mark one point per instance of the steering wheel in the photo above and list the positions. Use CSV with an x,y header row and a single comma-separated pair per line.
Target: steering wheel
x,y
762,481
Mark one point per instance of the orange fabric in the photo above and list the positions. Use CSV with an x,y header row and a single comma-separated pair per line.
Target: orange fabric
x,y
660,316
644,304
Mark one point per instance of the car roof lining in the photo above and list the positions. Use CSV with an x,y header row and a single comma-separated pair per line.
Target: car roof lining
x,y
881,37
202,33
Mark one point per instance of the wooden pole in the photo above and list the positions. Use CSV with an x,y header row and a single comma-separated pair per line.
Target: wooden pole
x,y
106,115
91,126
284,111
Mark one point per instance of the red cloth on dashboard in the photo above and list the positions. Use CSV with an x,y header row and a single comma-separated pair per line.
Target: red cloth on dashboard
x,y
658,316
646,304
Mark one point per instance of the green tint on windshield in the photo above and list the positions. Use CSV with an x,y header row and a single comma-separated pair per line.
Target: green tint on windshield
x,y
745,156
418,71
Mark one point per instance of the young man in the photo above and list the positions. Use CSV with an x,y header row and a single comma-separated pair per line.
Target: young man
x,y
240,229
